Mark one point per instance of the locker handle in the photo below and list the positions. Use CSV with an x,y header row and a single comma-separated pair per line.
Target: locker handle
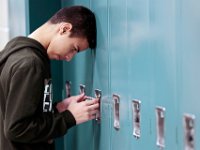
x,y
82,88
136,118
116,99
189,131
68,88
160,115
98,94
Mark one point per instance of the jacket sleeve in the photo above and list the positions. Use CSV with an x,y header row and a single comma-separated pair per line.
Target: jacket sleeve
x,y
23,122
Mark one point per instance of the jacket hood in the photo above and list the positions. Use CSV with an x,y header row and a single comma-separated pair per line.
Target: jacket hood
x,y
18,43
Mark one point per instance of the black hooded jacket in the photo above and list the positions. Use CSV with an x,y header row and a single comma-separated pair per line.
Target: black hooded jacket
x,y
27,118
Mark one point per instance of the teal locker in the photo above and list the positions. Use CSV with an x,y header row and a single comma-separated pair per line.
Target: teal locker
x,y
79,71
141,71
132,49
91,69
163,46
188,72
102,139
147,50
76,137
119,65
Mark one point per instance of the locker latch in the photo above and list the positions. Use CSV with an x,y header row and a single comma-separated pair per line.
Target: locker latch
x,y
98,95
82,88
160,123
116,100
189,131
136,118
68,88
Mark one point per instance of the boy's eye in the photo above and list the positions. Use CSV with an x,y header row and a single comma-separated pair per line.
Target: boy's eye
x,y
76,50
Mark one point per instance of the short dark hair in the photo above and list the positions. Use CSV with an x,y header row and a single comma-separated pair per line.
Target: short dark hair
x,y
83,22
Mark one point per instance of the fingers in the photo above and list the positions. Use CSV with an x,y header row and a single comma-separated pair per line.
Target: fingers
x,y
92,111
92,102
85,110
88,98
93,107
80,97
83,97
91,115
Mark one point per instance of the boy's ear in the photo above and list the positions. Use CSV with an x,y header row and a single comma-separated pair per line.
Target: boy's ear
x,y
65,27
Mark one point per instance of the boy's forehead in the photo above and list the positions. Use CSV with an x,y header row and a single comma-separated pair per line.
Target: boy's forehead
x,y
83,44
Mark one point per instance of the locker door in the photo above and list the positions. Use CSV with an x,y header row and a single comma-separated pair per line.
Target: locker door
x,y
79,71
119,69
102,139
163,48
188,69
141,71
91,69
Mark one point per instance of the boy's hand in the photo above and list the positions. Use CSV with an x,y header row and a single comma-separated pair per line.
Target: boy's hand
x,y
63,105
83,110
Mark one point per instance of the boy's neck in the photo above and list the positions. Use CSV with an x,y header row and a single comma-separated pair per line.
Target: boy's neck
x,y
43,34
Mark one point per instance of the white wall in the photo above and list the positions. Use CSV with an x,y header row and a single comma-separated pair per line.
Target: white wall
x,y
4,26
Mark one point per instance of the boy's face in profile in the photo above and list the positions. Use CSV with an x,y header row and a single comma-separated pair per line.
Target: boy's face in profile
x,y
64,47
